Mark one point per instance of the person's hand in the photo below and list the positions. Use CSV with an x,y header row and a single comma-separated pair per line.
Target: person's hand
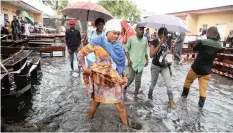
x,y
129,62
86,70
146,63
69,50
162,41
192,44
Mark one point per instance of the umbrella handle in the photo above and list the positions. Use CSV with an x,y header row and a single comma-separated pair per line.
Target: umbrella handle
x,y
124,34
88,13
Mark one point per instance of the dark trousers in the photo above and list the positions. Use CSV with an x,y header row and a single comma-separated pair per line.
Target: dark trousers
x,y
72,51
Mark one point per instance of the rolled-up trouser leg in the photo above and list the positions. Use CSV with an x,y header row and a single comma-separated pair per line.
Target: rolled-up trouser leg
x,y
191,76
138,78
131,76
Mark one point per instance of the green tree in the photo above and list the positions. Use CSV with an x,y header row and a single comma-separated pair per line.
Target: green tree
x,y
57,5
122,9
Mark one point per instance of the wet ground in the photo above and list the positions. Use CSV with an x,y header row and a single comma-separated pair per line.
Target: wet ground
x,y
60,104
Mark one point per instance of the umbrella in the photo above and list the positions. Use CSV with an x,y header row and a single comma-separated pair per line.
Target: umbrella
x,y
29,19
86,11
171,22
22,13
129,31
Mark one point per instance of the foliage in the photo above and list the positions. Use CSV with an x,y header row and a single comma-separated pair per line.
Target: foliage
x,y
122,9
57,5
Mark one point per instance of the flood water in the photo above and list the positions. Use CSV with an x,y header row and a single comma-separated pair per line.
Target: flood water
x,y
60,104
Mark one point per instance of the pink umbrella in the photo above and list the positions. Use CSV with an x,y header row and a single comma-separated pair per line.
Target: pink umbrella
x,y
128,31
86,11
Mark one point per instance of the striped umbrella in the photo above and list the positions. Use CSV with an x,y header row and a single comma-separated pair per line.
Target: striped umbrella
x,y
30,20
86,11
22,13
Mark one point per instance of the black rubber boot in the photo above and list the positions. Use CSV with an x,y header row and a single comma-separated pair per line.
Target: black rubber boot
x,y
185,92
150,95
72,66
201,102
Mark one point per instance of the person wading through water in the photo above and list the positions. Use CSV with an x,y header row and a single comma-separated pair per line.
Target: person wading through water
x,y
99,25
136,53
201,68
105,78
73,41
158,50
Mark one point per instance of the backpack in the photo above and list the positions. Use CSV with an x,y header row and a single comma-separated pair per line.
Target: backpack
x,y
166,58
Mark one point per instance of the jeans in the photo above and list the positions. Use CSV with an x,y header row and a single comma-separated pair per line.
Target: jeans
x,y
164,71
72,51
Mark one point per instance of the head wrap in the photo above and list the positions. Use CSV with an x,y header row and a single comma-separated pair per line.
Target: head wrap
x,y
113,25
114,49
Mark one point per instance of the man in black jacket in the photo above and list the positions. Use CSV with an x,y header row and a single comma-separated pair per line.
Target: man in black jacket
x,y
201,68
73,41
15,25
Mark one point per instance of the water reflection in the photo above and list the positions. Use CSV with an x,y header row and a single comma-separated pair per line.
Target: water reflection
x,y
60,104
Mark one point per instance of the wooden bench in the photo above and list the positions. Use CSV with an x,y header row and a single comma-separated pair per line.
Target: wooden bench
x,y
6,51
17,60
35,70
50,50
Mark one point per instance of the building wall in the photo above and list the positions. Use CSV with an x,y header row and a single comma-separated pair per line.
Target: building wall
x,y
191,23
212,19
8,9
11,11
38,17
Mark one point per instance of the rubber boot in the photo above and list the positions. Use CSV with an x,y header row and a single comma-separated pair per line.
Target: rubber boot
x,y
150,95
185,92
201,101
72,66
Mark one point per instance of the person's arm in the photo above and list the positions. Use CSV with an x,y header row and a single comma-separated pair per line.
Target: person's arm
x,y
67,38
196,45
156,44
84,52
146,56
79,38
125,38
127,48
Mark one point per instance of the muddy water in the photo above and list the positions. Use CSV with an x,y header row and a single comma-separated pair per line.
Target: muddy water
x,y
60,104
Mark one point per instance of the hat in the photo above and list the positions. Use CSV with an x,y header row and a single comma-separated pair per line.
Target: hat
x,y
140,26
72,21
113,25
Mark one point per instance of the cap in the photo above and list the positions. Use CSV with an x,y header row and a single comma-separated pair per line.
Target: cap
x,y
140,26
72,21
